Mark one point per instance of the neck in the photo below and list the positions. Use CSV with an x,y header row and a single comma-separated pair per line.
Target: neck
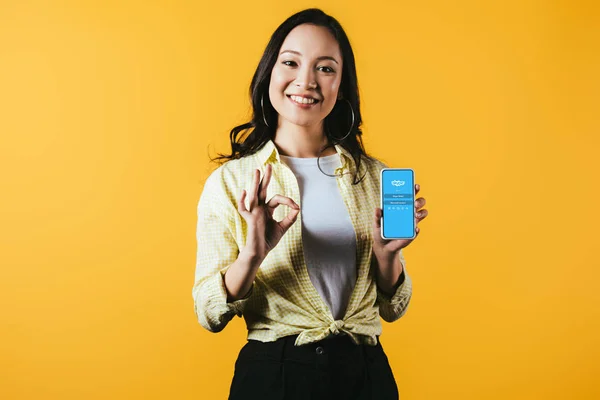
x,y
301,141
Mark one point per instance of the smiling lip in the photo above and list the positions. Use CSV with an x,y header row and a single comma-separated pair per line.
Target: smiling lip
x,y
302,105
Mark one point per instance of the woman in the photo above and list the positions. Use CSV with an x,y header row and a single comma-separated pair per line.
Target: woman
x,y
311,293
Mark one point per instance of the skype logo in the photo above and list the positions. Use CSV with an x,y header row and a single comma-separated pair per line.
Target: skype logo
x,y
398,183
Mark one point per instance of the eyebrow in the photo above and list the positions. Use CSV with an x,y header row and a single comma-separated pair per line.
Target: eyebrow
x,y
318,58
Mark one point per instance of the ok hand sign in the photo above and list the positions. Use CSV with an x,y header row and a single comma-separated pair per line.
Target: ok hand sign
x,y
263,231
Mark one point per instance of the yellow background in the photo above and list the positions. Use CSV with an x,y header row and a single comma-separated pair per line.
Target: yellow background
x,y
110,109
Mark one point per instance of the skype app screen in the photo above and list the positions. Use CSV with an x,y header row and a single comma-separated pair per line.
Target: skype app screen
x,y
398,204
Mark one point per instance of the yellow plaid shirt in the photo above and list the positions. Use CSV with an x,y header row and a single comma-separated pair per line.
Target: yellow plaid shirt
x,y
283,301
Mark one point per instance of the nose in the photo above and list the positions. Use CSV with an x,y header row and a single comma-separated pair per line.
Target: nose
x,y
306,78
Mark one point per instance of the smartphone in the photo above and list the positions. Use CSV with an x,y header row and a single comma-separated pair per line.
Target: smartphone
x,y
398,203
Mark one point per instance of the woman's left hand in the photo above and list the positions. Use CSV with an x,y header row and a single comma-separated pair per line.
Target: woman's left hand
x,y
384,248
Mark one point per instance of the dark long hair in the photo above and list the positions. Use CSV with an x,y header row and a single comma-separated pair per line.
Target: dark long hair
x,y
336,124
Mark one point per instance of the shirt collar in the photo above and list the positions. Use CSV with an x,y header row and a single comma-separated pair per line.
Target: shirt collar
x,y
269,154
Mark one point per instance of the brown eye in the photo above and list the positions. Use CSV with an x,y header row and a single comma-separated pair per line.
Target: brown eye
x,y
289,63
326,69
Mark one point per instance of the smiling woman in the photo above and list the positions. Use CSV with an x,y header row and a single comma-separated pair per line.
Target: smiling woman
x,y
306,76
312,293
308,57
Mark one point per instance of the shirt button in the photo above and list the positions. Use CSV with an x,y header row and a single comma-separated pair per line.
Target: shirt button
x,y
320,350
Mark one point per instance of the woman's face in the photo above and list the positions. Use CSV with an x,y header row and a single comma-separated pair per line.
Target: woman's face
x,y
306,76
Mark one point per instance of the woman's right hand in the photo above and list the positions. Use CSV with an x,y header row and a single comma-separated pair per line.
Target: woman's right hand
x,y
263,231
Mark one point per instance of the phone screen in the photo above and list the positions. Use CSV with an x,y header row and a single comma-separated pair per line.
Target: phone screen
x,y
398,203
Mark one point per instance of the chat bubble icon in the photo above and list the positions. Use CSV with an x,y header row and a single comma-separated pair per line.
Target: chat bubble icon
x,y
398,183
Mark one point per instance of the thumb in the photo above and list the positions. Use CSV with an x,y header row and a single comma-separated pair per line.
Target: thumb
x,y
377,220
289,220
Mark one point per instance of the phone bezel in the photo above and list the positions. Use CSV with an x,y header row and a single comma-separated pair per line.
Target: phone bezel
x,y
381,201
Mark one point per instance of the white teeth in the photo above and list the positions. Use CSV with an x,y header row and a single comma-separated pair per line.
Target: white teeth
x,y
302,100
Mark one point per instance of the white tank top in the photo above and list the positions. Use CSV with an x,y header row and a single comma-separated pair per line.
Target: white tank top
x,y
327,232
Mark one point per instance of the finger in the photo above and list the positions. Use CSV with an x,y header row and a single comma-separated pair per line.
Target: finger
x,y
265,183
377,219
241,204
254,189
422,214
420,202
417,188
288,220
279,199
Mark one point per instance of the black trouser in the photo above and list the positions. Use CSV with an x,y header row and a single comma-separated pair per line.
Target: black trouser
x,y
332,369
